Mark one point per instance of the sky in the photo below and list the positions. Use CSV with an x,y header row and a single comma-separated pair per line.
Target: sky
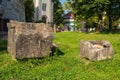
x,y
62,1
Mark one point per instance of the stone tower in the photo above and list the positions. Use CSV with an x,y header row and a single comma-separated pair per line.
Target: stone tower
x,y
43,11
11,10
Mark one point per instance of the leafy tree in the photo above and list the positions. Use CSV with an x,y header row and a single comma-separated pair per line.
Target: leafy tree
x,y
29,10
113,11
67,6
58,12
91,8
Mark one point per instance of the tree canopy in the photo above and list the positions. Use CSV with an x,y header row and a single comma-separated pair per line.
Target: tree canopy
x,y
58,12
29,10
85,9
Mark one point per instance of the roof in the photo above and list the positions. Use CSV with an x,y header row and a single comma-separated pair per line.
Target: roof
x,y
69,15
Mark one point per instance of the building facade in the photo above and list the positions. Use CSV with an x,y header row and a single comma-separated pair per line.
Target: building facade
x,y
43,11
69,21
11,10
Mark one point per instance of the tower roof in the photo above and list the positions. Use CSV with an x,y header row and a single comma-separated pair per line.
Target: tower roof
x,y
69,15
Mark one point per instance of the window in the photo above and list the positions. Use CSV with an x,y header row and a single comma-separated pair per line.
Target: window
x,y
44,19
44,6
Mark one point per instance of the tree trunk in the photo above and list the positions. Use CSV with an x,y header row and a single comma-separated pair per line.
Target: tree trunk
x,y
54,28
110,22
100,23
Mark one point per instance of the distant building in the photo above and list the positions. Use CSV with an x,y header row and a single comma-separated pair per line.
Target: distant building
x,y
69,21
43,11
11,10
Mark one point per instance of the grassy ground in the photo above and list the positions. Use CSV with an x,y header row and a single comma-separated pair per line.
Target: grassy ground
x,y
65,63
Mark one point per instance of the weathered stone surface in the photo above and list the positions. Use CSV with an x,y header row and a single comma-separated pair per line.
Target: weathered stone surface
x,y
96,50
12,9
29,40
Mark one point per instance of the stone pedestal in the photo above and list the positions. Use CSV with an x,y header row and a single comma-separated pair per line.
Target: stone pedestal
x,y
29,40
96,50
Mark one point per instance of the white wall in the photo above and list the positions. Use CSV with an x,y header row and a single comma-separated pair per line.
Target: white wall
x,y
48,12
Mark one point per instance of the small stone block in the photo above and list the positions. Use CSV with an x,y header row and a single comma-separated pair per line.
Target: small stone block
x,y
96,50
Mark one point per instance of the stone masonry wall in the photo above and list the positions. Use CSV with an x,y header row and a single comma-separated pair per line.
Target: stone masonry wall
x,y
29,40
13,10
39,13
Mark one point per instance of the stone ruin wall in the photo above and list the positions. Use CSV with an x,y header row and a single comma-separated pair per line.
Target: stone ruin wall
x,y
13,10
29,40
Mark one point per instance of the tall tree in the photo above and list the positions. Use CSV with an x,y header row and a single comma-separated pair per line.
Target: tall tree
x,y
67,6
29,10
89,8
58,12
113,11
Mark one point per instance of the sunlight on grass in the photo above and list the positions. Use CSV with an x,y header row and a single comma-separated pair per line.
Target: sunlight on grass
x,y
65,66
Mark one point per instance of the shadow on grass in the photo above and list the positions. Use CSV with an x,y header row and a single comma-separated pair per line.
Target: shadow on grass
x,y
110,32
55,53
3,45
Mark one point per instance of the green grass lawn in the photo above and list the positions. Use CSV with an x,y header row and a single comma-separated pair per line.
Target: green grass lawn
x,y
65,64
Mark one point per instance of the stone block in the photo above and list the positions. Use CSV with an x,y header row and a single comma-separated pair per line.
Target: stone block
x,y
29,40
96,50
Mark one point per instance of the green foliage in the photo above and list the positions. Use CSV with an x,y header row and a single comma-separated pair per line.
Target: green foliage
x,y
67,6
113,11
92,22
29,10
58,13
3,45
91,8
65,64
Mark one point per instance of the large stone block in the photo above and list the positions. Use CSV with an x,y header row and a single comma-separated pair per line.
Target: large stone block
x,y
29,40
96,50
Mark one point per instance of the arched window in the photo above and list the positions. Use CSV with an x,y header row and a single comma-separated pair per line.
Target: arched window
x,y
44,18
